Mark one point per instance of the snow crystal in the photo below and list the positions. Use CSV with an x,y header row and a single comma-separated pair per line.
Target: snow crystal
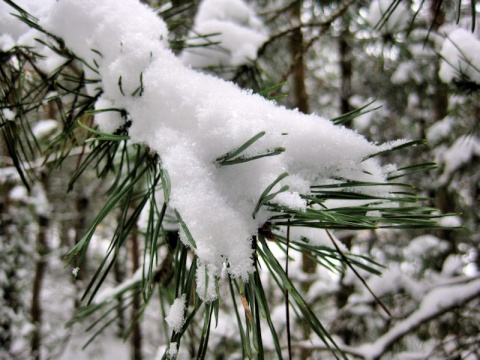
x,y
75,271
175,318
193,121
460,57
173,349
230,23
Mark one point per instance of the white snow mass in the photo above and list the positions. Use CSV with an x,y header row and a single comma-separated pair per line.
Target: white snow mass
x,y
460,57
232,27
175,318
388,16
194,121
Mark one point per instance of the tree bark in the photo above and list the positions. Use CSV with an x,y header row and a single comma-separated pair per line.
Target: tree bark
x,y
300,94
346,69
36,310
136,339
444,199
81,204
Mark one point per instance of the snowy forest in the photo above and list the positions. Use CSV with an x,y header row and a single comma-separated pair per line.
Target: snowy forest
x,y
238,179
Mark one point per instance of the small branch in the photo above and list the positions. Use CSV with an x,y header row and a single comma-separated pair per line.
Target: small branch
x,y
324,25
287,303
435,303
383,306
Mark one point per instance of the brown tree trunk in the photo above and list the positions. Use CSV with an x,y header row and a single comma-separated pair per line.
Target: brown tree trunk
x,y
119,273
301,102
81,204
297,48
10,299
36,310
136,340
300,98
444,200
346,67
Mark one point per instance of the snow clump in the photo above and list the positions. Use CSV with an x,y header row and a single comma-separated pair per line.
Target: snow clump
x,y
175,318
388,16
225,33
460,57
194,121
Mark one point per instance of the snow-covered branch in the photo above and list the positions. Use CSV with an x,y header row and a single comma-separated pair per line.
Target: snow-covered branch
x,y
192,120
435,303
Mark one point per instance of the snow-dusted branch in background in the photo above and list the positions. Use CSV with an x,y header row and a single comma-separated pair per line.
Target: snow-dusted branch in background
x,y
436,302
460,57
232,30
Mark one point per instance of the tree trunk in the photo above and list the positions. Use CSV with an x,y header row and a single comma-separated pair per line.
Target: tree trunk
x,y
36,310
346,67
81,204
297,48
119,273
9,300
444,199
136,340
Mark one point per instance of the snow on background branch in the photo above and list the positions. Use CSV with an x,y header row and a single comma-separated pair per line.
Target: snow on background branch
x,y
234,29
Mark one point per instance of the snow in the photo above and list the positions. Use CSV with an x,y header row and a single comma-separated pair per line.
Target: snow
x,y
8,114
462,151
388,16
230,23
440,130
45,128
435,302
109,293
406,72
175,318
460,57
19,193
423,245
192,119
173,349
450,221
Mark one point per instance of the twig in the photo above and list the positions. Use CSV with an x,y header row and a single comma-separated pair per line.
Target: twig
x,y
287,302
383,306
325,24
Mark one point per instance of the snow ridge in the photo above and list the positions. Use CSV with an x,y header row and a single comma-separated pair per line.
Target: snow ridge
x,y
192,119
